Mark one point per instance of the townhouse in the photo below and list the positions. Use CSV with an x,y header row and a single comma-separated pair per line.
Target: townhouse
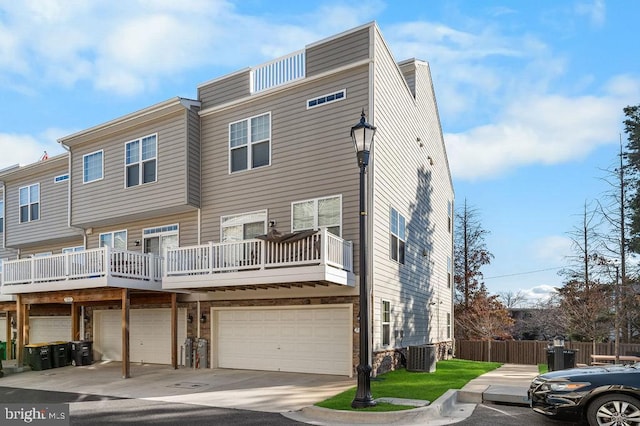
x,y
232,219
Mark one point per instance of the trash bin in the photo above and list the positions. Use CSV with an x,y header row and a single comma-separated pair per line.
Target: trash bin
x,y
37,356
82,352
569,358
3,350
560,359
59,354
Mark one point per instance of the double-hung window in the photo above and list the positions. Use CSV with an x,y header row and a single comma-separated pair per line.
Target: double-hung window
x,y
397,236
30,203
141,161
1,215
317,214
116,240
92,166
250,143
243,226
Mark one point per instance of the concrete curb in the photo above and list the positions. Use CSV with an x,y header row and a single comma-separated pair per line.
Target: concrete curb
x,y
444,410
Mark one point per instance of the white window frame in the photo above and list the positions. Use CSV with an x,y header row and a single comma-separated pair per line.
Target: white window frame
x,y
1,218
160,232
385,323
61,178
327,99
29,203
85,166
400,234
141,161
449,274
249,143
242,219
113,238
448,325
450,215
316,214
72,249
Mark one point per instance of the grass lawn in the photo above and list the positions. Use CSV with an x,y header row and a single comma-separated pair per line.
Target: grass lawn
x,y
543,368
450,374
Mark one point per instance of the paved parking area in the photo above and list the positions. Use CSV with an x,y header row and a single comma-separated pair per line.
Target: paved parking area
x,y
242,389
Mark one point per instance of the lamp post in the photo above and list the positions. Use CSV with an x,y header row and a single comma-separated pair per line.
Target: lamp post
x,y
362,136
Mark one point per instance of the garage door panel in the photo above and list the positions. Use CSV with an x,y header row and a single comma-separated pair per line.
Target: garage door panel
x,y
49,329
316,340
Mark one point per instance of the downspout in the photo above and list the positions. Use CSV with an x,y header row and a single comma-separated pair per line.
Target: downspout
x,y
4,215
69,194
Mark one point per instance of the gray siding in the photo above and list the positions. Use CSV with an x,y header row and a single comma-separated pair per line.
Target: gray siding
x,y
226,89
341,51
108,201
312,155
405,179
53,222
193,157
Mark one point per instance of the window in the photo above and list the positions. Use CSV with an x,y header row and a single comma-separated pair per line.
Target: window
x,y
249,143
397,236
116,240
448,325
158,240
449,214
243,226
92,165
386,323
61,178
141,160
72,249
327,99
448,272
1,215
30,203
318,213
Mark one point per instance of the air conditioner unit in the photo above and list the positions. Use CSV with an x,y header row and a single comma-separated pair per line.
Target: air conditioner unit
x,y
422,358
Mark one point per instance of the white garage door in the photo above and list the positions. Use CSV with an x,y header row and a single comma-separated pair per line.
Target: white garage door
x,y
49,329
299,339
149,334
3,329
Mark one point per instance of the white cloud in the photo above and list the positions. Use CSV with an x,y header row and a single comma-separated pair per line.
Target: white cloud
x,y
594,10
27,149
552,250
538,294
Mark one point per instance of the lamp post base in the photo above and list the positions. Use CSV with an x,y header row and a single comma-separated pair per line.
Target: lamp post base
x,y
363,397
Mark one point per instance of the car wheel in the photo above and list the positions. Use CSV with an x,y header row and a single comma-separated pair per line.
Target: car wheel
x,y
614,410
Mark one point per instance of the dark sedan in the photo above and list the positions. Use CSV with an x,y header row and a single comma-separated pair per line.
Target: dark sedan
x,y
600,395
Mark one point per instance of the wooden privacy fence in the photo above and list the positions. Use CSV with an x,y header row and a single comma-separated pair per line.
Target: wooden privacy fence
x,y
533,351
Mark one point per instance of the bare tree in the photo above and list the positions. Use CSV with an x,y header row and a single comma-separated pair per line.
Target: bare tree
x,y
511,299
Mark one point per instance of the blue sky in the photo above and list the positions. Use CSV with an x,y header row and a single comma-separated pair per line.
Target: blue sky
x,y
530,93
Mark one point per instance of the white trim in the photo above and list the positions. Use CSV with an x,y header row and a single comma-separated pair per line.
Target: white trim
x,y
315,213
140,162
29,203
112,233
249,142
61,178
342,92
244,218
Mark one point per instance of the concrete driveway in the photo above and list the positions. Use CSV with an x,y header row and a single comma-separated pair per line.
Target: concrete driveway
x,y
274,392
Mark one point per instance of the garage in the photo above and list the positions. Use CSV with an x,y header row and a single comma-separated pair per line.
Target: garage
x,y
299,339
3,329
49,329
149,334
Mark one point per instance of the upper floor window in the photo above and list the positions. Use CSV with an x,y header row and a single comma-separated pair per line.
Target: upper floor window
x,y
449,272
250,143
141,161
116,240
1,215
318,213
92,166
327,99
160,239
450,214
397,236
61,178
30,203
243,226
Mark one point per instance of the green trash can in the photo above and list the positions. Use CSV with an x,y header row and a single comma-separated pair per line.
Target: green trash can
x,y
3,350
37,356
60,354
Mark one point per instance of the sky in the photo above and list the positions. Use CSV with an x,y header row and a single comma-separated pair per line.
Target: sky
x,y
530,94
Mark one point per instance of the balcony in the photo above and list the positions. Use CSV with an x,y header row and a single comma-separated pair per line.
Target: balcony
x,y
311,257
102,267
278,72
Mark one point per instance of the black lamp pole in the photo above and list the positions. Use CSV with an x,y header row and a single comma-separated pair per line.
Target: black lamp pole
x,y
362,135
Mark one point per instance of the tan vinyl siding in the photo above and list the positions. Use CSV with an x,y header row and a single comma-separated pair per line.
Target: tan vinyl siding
x,y
52,224
108,200
193,157
312,155
7,253
338,52
225,89
53,248
405,180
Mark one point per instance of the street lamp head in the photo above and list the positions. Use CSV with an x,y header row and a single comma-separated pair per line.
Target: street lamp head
x,y
362,136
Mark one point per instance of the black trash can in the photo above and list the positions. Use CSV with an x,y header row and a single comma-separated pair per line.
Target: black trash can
x,y
38,356
569,356
551,359
60,354
82,352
